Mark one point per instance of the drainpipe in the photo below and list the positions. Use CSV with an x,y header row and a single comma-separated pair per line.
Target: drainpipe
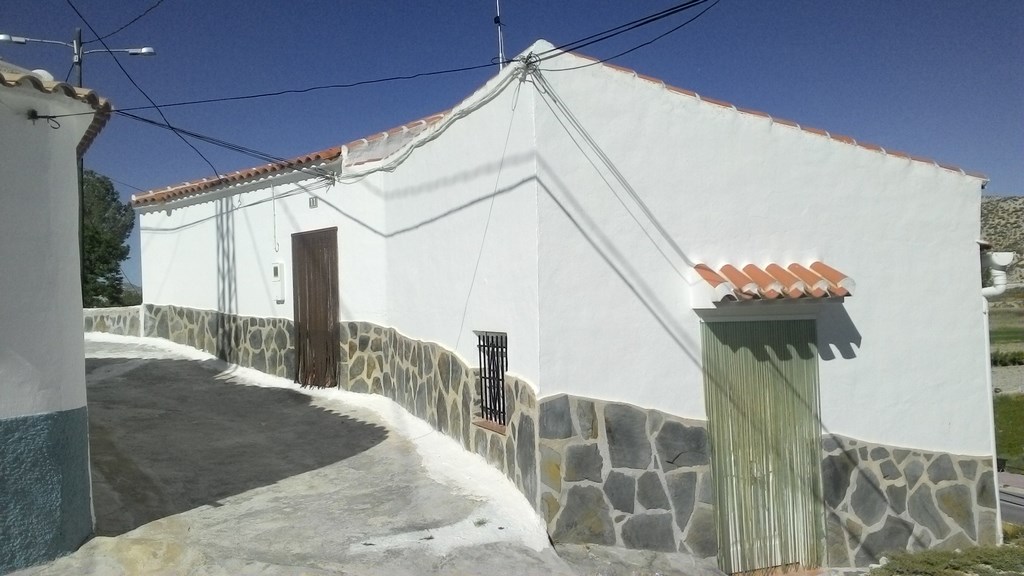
x,y
996,263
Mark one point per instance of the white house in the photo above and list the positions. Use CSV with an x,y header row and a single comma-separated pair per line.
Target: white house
x,y
45,498
719,331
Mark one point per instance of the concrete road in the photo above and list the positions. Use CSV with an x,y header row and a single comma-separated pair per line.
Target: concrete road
x,y
1011,506
200,471
1011,497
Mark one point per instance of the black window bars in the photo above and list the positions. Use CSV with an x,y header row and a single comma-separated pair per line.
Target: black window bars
x,y
493,347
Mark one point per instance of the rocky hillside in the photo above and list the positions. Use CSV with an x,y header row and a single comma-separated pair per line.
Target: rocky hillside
x,y
1002,224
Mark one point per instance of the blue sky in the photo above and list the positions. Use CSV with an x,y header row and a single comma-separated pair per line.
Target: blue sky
x,y
939,79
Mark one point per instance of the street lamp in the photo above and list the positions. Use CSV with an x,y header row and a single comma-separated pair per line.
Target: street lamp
x,y
76,47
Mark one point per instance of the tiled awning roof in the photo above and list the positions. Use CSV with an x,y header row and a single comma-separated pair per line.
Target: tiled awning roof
x,y
775,282
10,77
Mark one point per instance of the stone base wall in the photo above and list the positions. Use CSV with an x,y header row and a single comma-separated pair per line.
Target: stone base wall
x,y
434,384
266,344
612,473
124,321
44,487
883,499
615,474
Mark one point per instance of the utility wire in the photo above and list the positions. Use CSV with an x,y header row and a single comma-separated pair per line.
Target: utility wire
x,y
290,91
315,88
136,84
130,22
126,184
582,42
622,28
638,46
270,158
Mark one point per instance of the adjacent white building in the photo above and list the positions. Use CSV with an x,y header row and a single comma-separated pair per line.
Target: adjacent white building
x,y
45,501
806,307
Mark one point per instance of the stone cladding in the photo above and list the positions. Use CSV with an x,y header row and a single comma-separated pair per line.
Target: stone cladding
x,y
123,321
883,499
615,474
432,383
266,344
607,472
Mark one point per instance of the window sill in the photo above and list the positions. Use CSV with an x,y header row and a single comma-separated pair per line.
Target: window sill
x,y
488,425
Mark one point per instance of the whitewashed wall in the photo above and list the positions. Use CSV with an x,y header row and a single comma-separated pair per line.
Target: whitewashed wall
x,y
462,224
41,351
902,361
216,253
425,265
570,219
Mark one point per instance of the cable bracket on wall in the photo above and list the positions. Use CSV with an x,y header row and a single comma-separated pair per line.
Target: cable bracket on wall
x,y
34,115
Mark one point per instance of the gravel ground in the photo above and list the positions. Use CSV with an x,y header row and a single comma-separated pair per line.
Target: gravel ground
x,y
1008,379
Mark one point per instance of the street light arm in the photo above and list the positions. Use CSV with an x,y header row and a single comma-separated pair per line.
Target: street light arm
x,y
144,51
23,40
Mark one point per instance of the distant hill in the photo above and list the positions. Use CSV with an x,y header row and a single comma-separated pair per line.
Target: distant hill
x,y
1002,224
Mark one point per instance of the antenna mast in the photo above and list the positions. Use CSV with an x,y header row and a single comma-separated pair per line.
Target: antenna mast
x,y
501,41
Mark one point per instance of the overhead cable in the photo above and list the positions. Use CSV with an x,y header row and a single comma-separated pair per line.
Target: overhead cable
x,y
130,22
269,158
622,28
586,41
638,46
136,84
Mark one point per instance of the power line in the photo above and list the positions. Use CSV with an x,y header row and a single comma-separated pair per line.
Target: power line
x,y
264,156
582,42
133,187
622,28
291,91
136,84
314,88
638,46
130,22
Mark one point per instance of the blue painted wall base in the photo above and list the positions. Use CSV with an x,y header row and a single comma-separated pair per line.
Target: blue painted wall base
x,y
45,508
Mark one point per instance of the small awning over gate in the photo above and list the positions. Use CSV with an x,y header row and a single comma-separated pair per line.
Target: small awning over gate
x,y
774,282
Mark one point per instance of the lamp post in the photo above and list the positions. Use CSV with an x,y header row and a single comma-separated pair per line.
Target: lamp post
x,y
78,53
76,47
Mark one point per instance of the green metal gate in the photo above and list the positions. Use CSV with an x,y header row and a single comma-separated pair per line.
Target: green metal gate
x,y
761,388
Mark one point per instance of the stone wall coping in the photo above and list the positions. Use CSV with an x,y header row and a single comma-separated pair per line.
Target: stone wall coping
x,y
112,309
685,420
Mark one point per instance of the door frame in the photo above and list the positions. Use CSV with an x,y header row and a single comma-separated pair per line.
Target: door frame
x,y
316,307
738,487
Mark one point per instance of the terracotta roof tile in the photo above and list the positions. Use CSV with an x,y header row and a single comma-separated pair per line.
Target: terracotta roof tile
x,y
839,138
100,105
199,186
774,281
202,185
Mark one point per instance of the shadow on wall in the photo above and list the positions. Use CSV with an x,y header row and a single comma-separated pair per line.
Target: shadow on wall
x,y
168,436
837,333
227,276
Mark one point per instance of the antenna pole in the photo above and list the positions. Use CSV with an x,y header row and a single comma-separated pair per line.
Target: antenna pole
x,y
501,41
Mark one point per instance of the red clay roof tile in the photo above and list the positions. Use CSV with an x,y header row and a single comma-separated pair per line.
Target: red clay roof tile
x,y
195,187
774,281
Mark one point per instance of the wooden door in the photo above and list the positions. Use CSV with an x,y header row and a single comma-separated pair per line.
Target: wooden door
x,y
315,290
761,388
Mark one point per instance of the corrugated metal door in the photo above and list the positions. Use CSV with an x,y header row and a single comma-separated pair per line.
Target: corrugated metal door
x,y
761,388
315,290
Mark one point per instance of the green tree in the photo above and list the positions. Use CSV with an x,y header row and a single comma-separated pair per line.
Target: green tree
x,y
107,224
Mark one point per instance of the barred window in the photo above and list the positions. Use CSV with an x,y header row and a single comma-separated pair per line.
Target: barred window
x,y
493,348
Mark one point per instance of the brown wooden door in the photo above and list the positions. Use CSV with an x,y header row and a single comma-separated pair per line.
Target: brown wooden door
x,y
315,290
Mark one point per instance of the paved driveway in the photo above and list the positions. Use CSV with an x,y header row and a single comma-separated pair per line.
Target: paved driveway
x,y
200,471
